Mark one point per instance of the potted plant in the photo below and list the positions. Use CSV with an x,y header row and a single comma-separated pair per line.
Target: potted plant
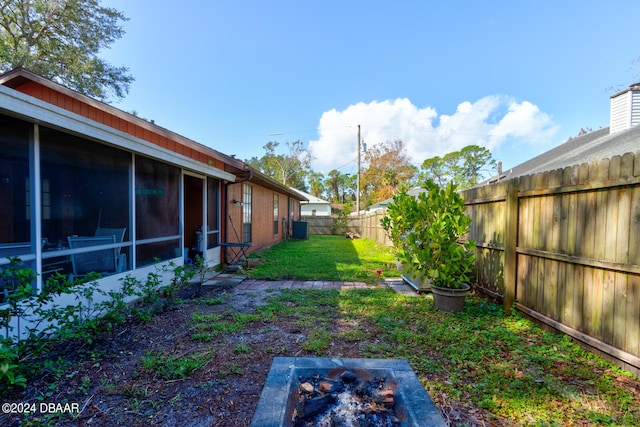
x,y
402,216
431,247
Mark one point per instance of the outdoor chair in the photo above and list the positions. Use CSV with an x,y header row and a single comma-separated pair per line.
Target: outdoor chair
x,y
100,261
118,234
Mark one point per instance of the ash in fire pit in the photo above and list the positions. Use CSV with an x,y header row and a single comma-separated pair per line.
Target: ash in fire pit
x,y
318,392
347,402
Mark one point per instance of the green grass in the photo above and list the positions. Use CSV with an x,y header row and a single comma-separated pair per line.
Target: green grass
x,y
332,258
208,326
172,367
504,366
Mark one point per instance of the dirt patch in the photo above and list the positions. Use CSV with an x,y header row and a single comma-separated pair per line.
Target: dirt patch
x,y
135,376
112,386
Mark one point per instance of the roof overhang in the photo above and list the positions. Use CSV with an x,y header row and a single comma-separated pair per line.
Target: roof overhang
x,y
19,76
263,180
28,108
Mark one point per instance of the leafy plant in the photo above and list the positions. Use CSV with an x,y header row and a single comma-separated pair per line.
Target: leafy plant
x,y
341,220
11,375
319,340
201,267
47,323
402,216
427,230
231,369
242,348
18,287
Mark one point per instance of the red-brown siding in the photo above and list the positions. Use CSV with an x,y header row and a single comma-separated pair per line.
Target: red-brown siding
x,y
69,103
262,216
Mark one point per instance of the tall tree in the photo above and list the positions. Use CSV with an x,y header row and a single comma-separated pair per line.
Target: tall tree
x,y
443,169
289,169
340,187
476,161
388,165
434,169
60,40
465,167
316,184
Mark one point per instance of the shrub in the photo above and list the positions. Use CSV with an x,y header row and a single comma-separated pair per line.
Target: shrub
x,y
426,231
83,320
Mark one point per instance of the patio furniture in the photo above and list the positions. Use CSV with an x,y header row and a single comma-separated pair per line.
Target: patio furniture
x,y
100,261
118,234
233,254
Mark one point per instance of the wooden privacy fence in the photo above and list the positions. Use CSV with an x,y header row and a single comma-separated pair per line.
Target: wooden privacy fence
x,y
370,227
564,248
324,225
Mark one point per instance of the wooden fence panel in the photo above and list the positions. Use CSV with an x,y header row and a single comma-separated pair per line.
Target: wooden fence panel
x,y
578,250
324,225
632,320
487,231
371,228
632,343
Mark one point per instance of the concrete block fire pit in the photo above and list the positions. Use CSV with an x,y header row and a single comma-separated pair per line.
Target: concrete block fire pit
x,y
410,403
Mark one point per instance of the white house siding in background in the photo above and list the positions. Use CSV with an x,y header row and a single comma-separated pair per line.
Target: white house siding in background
x,y
625,108
315,206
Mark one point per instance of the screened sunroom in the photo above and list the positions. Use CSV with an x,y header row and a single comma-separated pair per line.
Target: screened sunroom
x,y
78,198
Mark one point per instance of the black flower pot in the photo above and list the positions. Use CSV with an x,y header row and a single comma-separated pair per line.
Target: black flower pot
x,y
448,299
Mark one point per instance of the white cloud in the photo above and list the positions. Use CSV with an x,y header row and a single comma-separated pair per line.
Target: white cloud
x,y
489,122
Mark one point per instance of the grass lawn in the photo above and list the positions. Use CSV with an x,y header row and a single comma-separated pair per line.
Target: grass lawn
x,y
326,258
504,367
203,360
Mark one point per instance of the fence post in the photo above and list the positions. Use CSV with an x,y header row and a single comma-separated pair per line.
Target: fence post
x,y
510,244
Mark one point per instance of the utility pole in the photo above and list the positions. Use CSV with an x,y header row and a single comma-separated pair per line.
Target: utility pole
x,y
358,181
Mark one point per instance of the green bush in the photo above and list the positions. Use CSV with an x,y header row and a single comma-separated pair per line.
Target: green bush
x,y
49,323
426,231
11,375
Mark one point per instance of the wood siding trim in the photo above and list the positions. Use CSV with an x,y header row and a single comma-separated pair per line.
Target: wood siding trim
x,y
107,115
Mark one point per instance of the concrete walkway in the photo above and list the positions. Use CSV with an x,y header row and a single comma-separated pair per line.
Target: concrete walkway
x,y
242,283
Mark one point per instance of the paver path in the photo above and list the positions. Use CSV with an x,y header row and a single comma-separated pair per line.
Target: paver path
x,y
242,283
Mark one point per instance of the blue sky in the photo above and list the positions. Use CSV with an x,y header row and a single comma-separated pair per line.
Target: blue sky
x,y
516,77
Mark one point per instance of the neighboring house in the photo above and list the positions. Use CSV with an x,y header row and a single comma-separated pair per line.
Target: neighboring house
x,y
315,206
383,204
85,186
623,136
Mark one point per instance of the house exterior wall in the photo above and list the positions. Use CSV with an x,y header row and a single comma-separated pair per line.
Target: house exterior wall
x,y
233,220
82,185
143,130
45,203
321,209
262,216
